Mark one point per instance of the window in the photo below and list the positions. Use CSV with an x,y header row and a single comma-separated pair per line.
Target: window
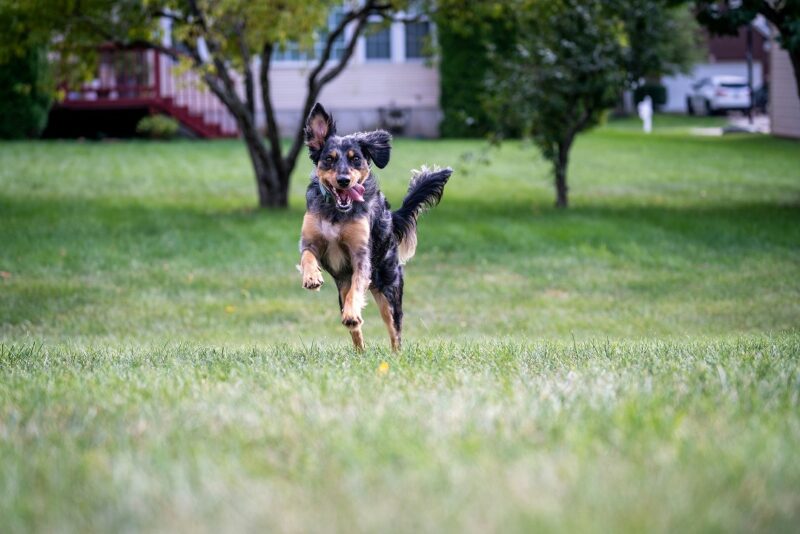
x,y
417,39
291,51
339,45
379,42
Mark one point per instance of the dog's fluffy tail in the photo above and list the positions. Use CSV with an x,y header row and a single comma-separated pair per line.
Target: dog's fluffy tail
x,y
424,191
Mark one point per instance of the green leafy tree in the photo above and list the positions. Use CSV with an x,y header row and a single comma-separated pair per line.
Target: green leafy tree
x,y
215,38
568,69
571,61
725,17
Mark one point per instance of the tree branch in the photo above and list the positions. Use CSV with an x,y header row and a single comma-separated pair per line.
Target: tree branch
x,y
348,53
249,86
332,36
269,113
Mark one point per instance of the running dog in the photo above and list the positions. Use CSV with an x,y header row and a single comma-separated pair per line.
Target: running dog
x,y
349,229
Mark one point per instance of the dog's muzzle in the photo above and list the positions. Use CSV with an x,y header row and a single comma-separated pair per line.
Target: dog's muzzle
x,y
345,197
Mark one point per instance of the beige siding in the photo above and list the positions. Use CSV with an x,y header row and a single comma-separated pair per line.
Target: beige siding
x,y
361,86
357,94
784,103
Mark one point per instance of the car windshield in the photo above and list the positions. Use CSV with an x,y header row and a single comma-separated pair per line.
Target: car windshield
x,y
733,85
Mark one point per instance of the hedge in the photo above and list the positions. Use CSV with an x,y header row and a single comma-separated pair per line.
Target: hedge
x,y
25,95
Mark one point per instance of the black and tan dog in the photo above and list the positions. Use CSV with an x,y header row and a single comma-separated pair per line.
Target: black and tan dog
x,y
349,228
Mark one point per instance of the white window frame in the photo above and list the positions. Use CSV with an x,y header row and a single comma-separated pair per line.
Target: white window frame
x,y
431,37
308,61
374,19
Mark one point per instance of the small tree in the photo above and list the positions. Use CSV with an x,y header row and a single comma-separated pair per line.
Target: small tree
x,y
567,71
215,38
25,93
574,58
725,17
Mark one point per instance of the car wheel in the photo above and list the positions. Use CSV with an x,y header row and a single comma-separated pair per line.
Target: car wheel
x,y
709,109
689,106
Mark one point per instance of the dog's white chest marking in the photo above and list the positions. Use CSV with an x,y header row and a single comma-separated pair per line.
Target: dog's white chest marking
x,y
330,231
334,254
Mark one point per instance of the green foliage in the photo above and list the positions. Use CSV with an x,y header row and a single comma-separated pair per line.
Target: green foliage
x,y
71,31
656,91
25,90
466,31
158,127
573,59
662,39
725,17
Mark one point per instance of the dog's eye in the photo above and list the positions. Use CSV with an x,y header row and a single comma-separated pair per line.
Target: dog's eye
x,y
329,159
356,159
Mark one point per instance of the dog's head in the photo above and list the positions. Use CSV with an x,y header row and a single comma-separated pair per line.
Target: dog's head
x,y
343,162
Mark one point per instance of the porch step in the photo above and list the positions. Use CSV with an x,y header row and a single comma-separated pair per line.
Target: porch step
x,y
194,121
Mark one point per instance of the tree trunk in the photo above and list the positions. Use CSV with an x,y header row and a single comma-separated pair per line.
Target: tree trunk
x,y
560,165
272,188
271,185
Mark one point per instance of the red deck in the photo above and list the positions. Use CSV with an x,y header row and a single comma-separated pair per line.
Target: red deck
x,y
144,79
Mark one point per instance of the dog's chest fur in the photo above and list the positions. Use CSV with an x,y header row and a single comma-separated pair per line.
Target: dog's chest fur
x,y
335,257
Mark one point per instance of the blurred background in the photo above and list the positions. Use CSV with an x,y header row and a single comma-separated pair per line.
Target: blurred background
x,y
417,69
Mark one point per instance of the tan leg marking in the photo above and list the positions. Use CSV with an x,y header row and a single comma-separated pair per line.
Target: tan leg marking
x,y
310,242
358,338
355,237
388,318
312,274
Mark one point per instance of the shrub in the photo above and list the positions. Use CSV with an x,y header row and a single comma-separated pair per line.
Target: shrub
x,y
464,31
656,91
158,127
25,95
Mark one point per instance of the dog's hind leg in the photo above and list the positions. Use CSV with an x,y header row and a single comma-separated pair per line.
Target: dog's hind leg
x,y
391,307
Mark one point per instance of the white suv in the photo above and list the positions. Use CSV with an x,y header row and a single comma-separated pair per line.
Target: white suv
x,y
718,93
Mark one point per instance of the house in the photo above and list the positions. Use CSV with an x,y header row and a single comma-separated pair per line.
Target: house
x,y
784,105
725,55
389,82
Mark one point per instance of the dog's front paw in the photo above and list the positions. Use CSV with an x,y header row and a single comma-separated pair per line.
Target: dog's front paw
x,y
351,320
313,280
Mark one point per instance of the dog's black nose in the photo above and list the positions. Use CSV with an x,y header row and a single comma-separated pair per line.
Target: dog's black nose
x,y
343,181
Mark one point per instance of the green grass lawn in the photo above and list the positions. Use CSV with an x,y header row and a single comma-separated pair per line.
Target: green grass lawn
x,y
630,364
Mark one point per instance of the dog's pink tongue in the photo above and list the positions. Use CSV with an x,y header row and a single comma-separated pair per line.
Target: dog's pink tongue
x,y
356,193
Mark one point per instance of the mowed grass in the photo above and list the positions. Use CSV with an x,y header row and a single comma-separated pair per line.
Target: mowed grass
x,y
630,364
591,437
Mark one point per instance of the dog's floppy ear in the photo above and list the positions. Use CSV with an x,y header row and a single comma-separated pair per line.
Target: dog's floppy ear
x,y
377,146
319,127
